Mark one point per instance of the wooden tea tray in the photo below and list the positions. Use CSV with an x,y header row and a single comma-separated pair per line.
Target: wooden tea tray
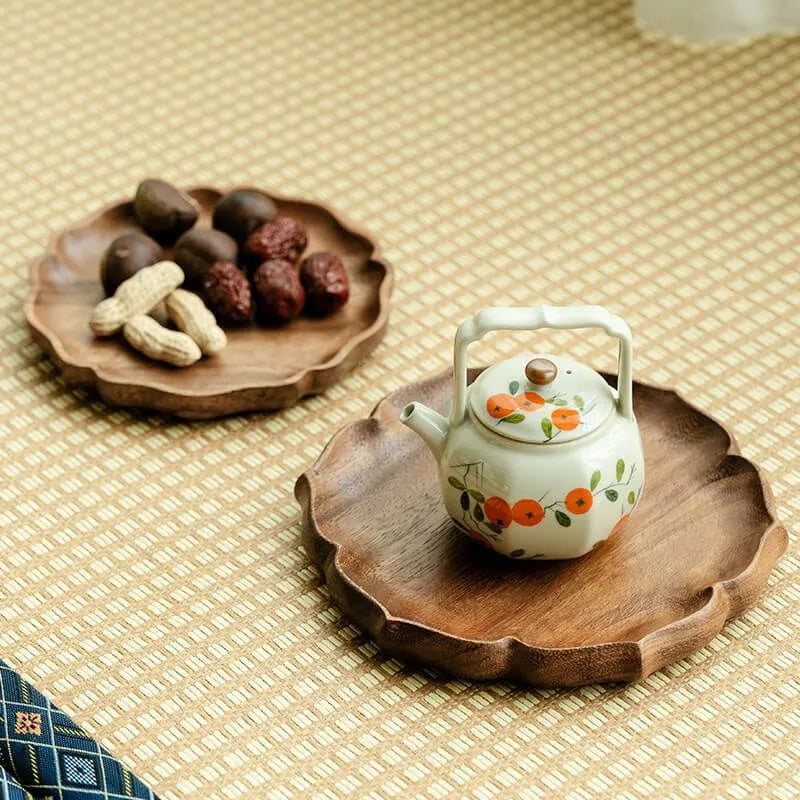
x,y
697,551
260,368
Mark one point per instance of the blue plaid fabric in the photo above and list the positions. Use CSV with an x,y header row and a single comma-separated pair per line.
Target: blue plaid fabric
x,y
46,755
10,789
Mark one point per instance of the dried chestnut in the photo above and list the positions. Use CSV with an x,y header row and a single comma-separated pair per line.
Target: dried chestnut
x,y
239,213
282,239
164,211
198,249
227,293
279,293
325,280
125,256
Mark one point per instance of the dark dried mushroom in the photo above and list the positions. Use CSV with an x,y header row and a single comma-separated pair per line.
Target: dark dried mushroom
x,y
198,249
125,256
242,211
164,211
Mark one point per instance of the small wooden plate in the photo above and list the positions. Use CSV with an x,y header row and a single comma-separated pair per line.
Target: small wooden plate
x,y
696,552
259,369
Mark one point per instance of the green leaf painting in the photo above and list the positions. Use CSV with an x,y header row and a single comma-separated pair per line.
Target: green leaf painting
x,y
562,510
517,553
514,418
578,400
562,519
513,387
559,402
547,428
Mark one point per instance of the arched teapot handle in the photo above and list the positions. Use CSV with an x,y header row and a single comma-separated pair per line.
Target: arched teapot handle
x,y
533,318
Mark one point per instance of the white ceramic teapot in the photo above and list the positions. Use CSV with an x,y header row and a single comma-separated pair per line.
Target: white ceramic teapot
x,y
540,457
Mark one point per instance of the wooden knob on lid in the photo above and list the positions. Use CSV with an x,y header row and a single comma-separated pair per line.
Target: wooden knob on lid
x,y
541,371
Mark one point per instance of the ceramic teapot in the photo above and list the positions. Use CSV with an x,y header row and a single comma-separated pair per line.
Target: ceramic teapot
x,y
540,458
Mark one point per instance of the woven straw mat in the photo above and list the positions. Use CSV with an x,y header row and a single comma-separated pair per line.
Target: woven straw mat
x,y
502,152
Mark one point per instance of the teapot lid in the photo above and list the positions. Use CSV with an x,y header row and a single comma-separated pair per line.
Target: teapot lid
x,y
541,399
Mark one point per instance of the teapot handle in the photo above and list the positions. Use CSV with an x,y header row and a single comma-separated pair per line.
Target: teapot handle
x,y
533,318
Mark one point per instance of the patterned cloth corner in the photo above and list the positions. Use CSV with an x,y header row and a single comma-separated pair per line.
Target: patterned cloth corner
x,y
44,754
10,789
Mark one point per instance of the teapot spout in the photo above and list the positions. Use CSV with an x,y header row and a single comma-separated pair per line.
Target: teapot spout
x,y
429,424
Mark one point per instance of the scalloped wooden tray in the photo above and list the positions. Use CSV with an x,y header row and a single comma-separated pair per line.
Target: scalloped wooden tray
x,y
259,369
696,552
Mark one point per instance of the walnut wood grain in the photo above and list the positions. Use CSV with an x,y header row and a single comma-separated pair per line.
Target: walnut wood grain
x,y
696,552
259,369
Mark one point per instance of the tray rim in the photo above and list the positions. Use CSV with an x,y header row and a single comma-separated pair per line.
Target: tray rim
x,y
622,661
157,394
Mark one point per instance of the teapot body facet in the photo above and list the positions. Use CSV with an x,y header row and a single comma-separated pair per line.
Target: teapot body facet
x,y
541,501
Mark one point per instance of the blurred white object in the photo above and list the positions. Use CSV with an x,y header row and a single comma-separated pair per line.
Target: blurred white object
x,y
719,19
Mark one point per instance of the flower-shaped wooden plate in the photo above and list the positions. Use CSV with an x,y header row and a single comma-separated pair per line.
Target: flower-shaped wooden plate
x,y
698,550
259,369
